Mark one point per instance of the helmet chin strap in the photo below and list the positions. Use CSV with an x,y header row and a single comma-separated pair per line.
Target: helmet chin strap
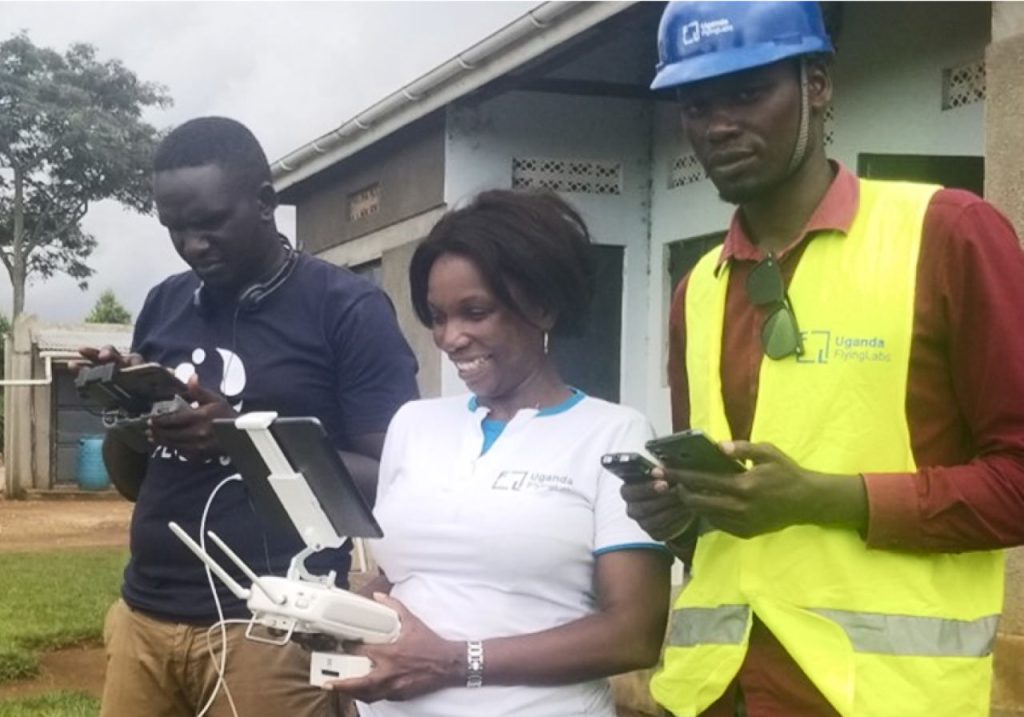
x,y
800,148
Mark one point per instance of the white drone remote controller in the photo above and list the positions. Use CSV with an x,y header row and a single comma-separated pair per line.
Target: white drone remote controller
x,y
296,605
300,602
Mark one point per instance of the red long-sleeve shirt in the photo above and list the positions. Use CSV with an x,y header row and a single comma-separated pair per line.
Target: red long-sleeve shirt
x,y
965,396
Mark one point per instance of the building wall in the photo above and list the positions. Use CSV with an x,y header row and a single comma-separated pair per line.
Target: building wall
x,y
406,170
393,247
1004,185
482,140
888,94
888,78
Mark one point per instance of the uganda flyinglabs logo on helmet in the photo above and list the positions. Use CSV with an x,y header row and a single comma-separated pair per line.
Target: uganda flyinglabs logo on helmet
x,y
698,40
691,32
694,31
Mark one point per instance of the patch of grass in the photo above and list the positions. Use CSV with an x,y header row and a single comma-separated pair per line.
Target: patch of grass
x,y
53,600
52,704
17,663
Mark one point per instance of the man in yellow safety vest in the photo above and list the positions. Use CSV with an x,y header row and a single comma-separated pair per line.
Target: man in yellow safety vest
x,y
849,343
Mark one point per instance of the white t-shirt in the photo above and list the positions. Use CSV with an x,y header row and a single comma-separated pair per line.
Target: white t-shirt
x,y
505,543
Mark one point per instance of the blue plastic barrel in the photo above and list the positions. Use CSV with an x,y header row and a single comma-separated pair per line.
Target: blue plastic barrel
x,y
90,471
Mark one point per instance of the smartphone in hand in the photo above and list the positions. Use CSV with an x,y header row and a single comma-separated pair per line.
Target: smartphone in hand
x,y
150,381
132,389
693,450
630,467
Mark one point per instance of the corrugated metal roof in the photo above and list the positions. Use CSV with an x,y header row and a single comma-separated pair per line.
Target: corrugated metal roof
x,y
67,340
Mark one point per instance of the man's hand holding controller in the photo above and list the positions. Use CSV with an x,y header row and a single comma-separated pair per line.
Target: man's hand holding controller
x,y
183,423
109,354
129,431
189,429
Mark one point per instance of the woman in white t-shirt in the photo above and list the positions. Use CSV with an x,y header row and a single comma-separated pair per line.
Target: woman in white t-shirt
x,y
520,581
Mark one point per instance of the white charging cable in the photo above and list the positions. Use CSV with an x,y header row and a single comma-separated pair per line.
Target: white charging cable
x,y
221,625
221,622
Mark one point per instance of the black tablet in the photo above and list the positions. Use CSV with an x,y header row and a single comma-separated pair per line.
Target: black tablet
x,y
306,447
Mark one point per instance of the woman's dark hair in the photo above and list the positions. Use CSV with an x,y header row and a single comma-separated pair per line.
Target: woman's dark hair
x,y
531,247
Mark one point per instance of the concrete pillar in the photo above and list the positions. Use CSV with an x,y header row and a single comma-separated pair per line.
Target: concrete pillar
x,y
395,281
18,410
5,485
41,425
1004,187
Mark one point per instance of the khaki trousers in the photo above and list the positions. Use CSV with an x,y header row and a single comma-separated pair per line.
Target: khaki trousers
x,y
163,669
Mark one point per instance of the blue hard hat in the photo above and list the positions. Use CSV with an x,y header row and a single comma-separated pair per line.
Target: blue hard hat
x,y
699,40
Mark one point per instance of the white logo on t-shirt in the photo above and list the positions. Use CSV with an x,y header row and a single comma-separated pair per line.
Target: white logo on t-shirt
x,y
526,481
232,383
509,480
233,377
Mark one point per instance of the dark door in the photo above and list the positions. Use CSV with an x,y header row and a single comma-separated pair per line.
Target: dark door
x,y
684,254
955,172
591,362
74,419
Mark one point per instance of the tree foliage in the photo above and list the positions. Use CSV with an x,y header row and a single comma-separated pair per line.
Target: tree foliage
x,y
108,310
71,134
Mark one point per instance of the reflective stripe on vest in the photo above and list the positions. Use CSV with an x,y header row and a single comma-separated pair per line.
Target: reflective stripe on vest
x,y
910,635
725,625
878,632
868,632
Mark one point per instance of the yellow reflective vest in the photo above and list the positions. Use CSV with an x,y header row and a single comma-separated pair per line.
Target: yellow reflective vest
x,y
879,632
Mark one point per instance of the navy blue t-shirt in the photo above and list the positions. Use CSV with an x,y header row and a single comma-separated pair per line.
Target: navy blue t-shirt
x,y
323,344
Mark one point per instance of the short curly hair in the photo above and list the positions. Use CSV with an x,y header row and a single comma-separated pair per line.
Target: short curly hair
x,y
527,244
224,142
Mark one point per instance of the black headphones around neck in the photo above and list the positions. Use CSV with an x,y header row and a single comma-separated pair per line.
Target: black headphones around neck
x,y
251,298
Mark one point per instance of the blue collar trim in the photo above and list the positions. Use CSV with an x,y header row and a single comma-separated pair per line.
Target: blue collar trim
x,y
576,397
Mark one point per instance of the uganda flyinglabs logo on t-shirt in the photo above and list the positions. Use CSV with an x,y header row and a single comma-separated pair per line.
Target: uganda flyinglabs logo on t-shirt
x,y
232,373
231,385
526,481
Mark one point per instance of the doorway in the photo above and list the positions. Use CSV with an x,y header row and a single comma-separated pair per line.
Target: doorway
x,y
591,361
953,172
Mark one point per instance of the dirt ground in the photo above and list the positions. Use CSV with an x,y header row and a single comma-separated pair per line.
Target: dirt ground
x,y
35,525
32,525
76,669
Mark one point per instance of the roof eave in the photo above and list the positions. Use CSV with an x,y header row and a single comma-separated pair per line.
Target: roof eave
x,y
520,41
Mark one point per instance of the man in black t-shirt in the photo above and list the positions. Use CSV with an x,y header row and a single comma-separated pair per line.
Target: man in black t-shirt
x,y
252,326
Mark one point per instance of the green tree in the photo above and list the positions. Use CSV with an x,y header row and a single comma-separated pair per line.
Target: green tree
x,y
70,134
108,310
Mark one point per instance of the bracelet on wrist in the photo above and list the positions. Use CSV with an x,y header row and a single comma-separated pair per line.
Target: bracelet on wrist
x,y
474,663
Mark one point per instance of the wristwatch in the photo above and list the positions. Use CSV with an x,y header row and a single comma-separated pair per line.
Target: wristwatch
x,y
474,663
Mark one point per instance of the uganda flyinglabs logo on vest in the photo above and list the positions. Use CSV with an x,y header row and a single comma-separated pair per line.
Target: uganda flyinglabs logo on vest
x,y
820,346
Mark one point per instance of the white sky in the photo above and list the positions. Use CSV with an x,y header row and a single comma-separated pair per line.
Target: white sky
x,y
290,71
